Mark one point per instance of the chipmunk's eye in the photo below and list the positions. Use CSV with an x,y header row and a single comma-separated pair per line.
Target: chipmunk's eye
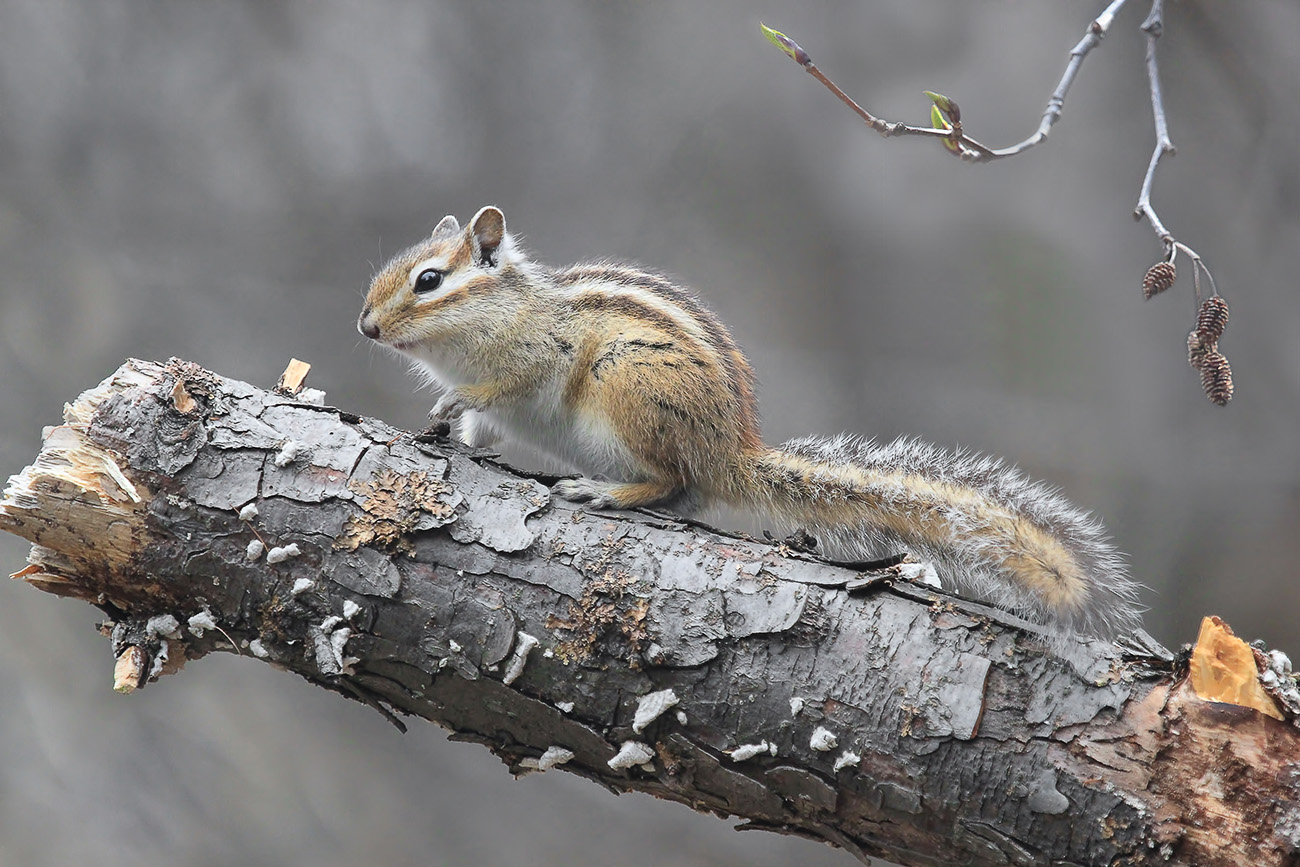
x,y
428,280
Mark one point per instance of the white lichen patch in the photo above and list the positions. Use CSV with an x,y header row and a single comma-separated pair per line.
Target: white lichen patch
x,y
302,585
681,717
288,451
324,653
1279,662
631,754
651,706
453,645
920,573
822,740
796,706
338,641
523,643
328,642
254,550
256,648
160,658
552,757
565,706
163,626
281,554
350,609
201,623
745,752
248,513
846,760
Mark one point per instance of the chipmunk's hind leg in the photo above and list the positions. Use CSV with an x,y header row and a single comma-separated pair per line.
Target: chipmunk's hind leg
x,y
657,494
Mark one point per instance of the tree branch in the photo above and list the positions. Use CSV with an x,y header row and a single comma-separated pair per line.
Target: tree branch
x,y
640,651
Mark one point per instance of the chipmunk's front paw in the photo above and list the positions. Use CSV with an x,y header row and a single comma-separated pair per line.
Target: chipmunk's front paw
x,y
594,494
451,406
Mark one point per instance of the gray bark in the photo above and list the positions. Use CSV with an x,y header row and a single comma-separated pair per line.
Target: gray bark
x,y
887,718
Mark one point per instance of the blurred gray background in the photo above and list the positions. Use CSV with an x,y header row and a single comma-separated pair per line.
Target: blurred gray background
x,y
218,181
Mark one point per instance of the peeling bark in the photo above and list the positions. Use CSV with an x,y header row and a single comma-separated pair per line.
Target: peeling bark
x,y
646,653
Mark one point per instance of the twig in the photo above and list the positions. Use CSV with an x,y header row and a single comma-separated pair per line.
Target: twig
x,y
1198,267
946,120
969,148
1203,346
1152,27
1096,30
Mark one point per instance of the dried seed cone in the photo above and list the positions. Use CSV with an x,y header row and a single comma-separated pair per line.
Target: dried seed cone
x,y
1197,349
1159,277
1216,377
1211,319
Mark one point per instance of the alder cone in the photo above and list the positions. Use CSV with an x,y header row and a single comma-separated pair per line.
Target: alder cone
x,y
1211,319
1216,377
1159,277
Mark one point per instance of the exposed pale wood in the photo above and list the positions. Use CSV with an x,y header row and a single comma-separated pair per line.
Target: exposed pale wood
x,y
1223,668
293,377
736,677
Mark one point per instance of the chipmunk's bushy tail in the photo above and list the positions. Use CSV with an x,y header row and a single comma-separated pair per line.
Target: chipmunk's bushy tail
x,y
984,525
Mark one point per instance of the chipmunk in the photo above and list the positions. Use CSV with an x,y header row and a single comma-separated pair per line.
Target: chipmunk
x,y
627,377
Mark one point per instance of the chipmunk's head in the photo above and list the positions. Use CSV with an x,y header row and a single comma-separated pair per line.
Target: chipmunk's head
x,y
445,282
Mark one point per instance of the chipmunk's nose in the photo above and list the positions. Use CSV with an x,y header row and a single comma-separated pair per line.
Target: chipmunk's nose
x,y
367,326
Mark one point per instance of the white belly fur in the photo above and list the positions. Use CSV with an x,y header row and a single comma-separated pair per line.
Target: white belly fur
x,y
540,420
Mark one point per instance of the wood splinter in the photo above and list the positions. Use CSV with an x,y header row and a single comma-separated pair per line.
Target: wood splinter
x,y
1223,669
181,398
129,670
293,377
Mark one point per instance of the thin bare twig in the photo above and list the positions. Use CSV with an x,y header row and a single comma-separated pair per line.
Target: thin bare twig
x,y
1198,267
968,148
946,119
1152,27
1096,30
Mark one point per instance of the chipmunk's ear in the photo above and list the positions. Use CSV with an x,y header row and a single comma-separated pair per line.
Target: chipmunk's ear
x,y
446,226
486,232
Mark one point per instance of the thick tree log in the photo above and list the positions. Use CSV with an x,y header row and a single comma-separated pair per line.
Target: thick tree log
x,y
643,652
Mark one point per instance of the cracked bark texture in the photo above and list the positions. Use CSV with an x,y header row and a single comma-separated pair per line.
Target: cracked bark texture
x,y
640,651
